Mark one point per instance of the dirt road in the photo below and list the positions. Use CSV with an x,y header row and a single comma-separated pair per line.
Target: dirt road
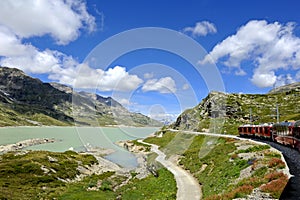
x,y
187,186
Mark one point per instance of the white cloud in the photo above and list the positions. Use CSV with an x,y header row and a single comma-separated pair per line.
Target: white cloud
x,y
124,102
163,85
10,45
297,76
118,79
13,53
60,67
62,20
284,80
270,46
148,75
185,86
201,29
264,79
82,76
163,116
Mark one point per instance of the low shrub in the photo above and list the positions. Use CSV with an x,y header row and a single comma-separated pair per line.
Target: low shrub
x,y
276,162
274,175
275,187
255,148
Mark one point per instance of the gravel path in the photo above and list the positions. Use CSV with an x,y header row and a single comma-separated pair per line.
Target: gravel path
x,y
187,186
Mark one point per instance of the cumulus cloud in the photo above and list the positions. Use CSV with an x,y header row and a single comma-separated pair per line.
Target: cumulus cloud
x,y
61,67
269,46
201,29
163,85
62,20
284,80
13,53
118,79
84,77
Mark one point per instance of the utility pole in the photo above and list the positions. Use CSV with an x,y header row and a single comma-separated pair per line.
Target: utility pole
x,y
214,122
277,113
250,116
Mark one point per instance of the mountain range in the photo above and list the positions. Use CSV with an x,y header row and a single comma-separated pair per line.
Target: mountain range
x,y
28,101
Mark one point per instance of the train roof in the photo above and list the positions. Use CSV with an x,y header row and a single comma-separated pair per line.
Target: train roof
x,y
297,123
286,123
251,125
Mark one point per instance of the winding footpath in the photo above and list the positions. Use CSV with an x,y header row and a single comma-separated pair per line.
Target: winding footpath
x,y
187,186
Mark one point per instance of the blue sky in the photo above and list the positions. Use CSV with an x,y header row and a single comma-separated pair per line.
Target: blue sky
x,y
253,45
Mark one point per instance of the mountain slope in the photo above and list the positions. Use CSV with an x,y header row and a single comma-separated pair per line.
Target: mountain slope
x,y
28,101
220,112
293,87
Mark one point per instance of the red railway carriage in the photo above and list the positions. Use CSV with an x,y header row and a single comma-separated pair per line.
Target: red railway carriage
x,y
247,130
264,130
296,134
286,133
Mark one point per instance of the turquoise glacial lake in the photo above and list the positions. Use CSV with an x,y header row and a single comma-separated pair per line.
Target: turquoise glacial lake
x,y
77,137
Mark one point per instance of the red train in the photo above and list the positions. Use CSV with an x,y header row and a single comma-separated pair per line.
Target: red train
x,y
286,133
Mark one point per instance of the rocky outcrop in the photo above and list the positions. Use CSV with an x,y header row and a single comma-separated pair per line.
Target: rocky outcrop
x,y
225,112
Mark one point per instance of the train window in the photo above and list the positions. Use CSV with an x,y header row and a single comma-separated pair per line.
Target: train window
x,y
297,132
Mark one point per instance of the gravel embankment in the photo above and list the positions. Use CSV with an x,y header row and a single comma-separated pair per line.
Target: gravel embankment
x,y
292,157
25,143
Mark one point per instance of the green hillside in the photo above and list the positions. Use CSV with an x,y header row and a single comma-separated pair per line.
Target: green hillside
x,y
223,113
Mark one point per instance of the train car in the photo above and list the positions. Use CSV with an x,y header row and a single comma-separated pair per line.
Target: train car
x,y
247,130
286,133
283,133
296,134
264,130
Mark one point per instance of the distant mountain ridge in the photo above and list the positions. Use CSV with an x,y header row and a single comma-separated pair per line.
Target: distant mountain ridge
x,y
28,101
286,88
223,112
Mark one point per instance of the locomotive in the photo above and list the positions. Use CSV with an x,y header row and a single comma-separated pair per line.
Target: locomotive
x,y
286,133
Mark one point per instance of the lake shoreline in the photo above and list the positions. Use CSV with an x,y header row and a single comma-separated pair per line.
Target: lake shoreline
x,y
24,144
78,139
108,126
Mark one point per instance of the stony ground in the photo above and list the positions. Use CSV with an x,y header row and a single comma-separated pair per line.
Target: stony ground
x,y
25,143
